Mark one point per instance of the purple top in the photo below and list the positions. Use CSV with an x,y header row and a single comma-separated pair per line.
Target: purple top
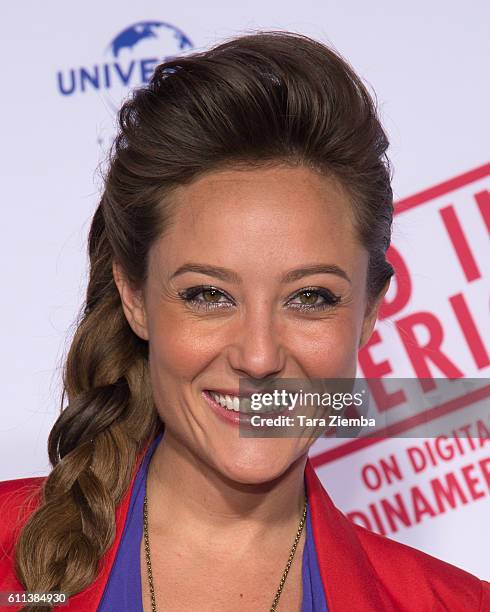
x,y
123,588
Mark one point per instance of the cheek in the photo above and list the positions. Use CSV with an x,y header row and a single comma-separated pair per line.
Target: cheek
x,y
179,347
328,349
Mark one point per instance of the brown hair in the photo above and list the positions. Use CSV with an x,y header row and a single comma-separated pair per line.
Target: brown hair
x,y
264,98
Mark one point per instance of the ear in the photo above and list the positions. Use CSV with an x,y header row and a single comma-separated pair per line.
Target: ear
x,y
132,302
371,315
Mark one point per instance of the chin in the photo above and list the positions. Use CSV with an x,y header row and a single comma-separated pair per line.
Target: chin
x,y
259,463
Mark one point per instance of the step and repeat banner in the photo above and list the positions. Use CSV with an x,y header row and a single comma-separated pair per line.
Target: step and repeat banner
x,y
425,478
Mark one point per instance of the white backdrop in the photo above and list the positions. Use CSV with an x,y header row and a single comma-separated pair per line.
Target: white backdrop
x,y
65,68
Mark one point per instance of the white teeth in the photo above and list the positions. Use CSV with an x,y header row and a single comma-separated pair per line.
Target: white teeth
x,y
238,404
230,402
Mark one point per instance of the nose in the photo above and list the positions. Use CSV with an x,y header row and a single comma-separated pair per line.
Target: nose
x,y
257,350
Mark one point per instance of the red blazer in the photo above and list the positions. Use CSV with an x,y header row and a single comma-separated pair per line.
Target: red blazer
x,y
361,571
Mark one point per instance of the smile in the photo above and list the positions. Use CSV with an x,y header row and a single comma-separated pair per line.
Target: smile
x,y
240,404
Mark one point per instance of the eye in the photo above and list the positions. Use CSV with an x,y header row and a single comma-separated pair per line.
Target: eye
x,y
211,297
315,298
206,297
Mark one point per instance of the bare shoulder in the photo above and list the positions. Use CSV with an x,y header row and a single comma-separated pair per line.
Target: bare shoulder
x,y
416,572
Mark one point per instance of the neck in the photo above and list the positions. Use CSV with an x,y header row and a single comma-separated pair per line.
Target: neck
x,y
192,501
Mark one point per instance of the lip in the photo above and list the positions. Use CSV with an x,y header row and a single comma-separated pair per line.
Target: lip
x,y
228,416
235,392
231,417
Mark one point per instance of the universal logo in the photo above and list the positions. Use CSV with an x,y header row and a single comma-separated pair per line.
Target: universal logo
x,y
134,53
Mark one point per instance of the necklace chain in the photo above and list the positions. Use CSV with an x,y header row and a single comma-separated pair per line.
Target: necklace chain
x,y
281,582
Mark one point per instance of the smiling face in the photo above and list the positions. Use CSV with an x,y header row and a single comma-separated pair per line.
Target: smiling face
x,y
259,275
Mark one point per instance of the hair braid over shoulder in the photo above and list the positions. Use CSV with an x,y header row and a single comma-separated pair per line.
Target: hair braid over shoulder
x,y
94,442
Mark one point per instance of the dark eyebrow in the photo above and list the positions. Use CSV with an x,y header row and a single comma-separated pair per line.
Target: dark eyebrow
x,y
227,275
298,273
217,271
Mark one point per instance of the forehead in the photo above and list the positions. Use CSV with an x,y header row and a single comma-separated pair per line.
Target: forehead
x,y
279,191
275,214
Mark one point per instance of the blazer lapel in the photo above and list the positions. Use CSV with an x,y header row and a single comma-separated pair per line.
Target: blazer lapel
x,y
349,580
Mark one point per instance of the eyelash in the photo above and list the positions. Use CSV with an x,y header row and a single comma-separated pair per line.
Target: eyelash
x,y
189,296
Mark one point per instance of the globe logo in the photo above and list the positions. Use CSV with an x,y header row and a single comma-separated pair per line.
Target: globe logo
x,y
168,34
132,56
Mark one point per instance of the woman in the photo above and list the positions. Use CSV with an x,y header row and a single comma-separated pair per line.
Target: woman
x,y
241,236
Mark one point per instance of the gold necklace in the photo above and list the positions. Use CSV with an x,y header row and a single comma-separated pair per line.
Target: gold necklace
x,y
281,582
